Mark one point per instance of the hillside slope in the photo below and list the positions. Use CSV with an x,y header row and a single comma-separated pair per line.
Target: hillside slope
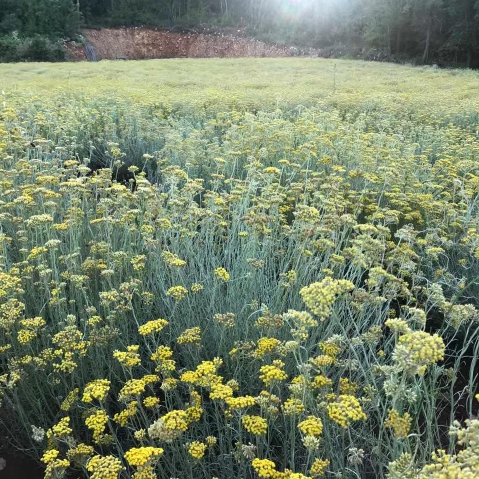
x,y
143,43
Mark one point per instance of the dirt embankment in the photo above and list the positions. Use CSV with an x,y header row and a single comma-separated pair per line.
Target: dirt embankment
x,y
143,43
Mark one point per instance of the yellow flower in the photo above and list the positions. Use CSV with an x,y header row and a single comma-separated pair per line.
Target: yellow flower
x,y
150,401
346,410
142,456
24,336
399,424
265,346
222,274
211,441
293,406
319,297
397,325
347,387
311,426
176,420
197,449
122,417
264,468
196,287
322,361
97,389
193,414
272,373
190,336
97,423
416,350
50,456
329,348
163,356
71,398
177,292
104,467
128,358
80,453
220,391
255,424
240,402
154,326
172,259
227,320
62,428
320,381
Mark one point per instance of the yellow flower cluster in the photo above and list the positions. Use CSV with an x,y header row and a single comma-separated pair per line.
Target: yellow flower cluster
x,y
97,422
177,292
311,426
163,355
71,398
293,406
319,297
255,424
151,327
197,449
227,320
362,203
241,402
190,336
322,361
329,348
62,428
222,274
320,381
80,453
104,467
97,389
416,350
266,346
272,373
347,387
397,325
123,417
172,259
151,401
345,410
142,456
319,467
399,424
205,374
128,358
264,468
176,420
135,387
50,456
221,391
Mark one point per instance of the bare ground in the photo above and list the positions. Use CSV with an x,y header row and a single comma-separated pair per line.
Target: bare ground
x,y
144,43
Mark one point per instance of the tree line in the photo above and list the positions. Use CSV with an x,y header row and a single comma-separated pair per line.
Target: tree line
x,y
424,30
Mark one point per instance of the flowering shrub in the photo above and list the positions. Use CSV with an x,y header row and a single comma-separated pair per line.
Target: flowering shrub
x,y
316,268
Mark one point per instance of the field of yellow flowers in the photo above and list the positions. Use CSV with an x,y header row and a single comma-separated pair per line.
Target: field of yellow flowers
x,y
240,269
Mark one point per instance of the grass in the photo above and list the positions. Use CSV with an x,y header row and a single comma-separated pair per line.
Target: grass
x,y
249,268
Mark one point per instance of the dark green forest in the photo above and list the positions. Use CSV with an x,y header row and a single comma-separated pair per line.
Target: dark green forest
x,y
423,31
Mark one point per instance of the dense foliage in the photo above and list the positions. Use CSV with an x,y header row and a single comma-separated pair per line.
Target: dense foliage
x,y
426,30
276,281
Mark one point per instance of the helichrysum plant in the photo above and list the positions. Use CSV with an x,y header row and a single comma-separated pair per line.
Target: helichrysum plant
x,y
272,282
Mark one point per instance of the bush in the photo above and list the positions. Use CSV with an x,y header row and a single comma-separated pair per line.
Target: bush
x,y
36,49
41,49
9,49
